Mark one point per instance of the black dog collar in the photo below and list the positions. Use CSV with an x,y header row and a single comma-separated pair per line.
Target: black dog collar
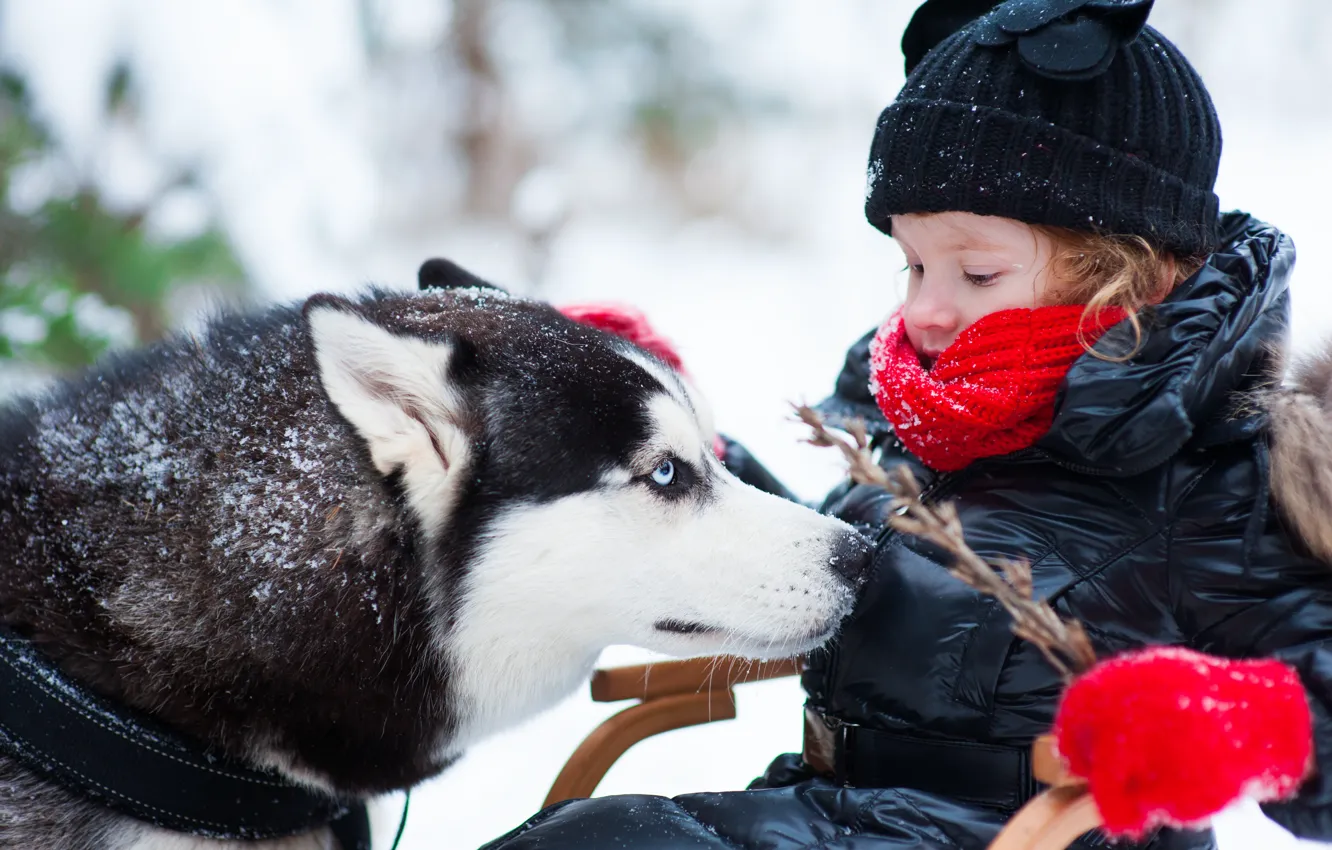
x,y
130,764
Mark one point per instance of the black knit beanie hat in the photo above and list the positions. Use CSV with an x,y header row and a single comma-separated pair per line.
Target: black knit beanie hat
x,y
1071,113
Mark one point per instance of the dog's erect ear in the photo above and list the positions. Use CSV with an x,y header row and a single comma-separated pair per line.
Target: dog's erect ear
x,y
395,391
439,273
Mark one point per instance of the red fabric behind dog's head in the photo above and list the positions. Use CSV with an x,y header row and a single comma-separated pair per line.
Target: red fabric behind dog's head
x,y
631,324
626,322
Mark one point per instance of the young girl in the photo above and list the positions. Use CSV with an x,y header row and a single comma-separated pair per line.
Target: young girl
x,y
1083,367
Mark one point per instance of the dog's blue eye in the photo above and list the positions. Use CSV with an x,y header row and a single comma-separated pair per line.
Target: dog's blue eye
x,y
664,474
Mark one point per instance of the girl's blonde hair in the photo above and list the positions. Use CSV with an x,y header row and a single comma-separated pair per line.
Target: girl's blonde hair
x,y
1114,270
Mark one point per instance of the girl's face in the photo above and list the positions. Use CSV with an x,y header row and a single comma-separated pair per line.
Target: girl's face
x,y
964,266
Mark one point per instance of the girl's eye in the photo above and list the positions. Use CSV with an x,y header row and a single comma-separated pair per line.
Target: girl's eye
x,y
664,474
916,268
980,279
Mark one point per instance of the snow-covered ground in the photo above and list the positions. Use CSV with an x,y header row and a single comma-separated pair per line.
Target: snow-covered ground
x,y
284,140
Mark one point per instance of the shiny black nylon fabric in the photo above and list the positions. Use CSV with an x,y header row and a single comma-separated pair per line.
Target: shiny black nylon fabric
x,y
1182,549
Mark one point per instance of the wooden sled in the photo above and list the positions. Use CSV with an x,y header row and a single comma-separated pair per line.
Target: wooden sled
x,y
675,694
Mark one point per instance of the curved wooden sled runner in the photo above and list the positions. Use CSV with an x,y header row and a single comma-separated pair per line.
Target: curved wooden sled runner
x,y
675,694
672,694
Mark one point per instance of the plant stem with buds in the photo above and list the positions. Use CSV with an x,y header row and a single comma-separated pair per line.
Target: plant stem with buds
x,y
1064,643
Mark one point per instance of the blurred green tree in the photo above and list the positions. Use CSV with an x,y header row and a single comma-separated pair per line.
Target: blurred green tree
x,y
76,276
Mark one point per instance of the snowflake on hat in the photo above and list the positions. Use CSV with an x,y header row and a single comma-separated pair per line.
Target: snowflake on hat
x,y
1169,737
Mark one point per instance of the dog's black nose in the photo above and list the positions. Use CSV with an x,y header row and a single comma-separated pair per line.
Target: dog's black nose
x,y
851,558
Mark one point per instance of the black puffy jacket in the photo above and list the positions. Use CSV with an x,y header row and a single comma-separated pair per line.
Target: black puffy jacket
x,y
1146,514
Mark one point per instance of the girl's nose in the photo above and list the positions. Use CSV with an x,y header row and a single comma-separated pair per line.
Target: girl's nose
x,y
931,310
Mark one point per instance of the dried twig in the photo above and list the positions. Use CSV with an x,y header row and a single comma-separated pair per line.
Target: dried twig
x,y
1064,643
856,454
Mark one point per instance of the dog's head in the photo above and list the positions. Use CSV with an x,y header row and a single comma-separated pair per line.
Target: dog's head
x,y
565,483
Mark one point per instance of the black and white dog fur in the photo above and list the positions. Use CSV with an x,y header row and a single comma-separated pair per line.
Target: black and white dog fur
x,y
348,539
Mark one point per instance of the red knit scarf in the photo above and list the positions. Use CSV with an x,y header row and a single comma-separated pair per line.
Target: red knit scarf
x,y
991,392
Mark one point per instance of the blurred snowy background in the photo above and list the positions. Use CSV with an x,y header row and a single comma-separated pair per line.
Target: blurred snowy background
x,y
704,161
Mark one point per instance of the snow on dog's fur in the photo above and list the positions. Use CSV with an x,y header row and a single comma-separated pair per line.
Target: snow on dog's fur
x,y
347,541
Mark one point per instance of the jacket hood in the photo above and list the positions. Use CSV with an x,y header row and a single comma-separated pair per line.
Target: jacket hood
x,y
1210,338
1214,335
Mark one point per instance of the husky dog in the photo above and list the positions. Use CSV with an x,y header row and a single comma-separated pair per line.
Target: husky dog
x,y
345,540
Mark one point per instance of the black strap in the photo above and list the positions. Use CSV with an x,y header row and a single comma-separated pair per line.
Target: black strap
x,y
990,775
352,830
130,764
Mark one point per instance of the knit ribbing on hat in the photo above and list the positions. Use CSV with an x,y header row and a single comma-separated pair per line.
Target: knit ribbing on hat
x,y
1134,150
